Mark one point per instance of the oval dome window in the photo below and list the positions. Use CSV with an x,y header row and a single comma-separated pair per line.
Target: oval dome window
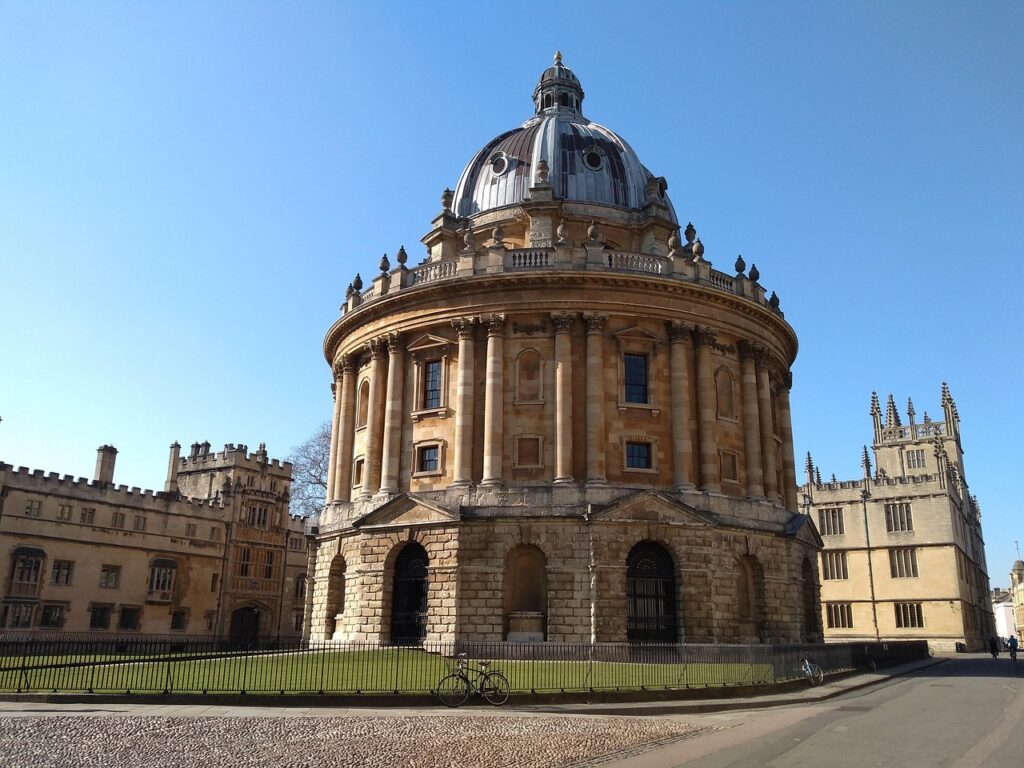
x,y
499,164
593,160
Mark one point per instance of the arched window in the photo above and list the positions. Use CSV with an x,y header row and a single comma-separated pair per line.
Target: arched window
x,y
409,596
526,594
335,595
650,595
547,100
528,377
563,100
363,403
161,579
725,386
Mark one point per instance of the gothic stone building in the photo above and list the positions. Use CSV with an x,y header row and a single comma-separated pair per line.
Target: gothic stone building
x,y
904,556
214,553
563,425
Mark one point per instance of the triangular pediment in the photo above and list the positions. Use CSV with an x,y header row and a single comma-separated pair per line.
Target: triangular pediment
x,y
802,529
407,510
652,506
428,341
636,334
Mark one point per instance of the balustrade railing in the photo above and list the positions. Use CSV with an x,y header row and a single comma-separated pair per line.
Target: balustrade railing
x,y
435,270
530,259
639,262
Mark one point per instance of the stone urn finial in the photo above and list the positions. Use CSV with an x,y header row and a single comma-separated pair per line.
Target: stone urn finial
x,y
673,242
773,301
385,265
349,291
499,235
447,198
542,171
690,233
740,265
470,240
562,233
593,232
755,274
401,257
698,250
358,282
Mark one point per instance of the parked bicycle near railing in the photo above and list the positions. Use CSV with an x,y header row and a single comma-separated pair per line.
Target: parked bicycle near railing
x,y
453,690
811,671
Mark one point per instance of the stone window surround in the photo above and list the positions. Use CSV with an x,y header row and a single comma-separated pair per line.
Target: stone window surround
x,y
722,453
184,624
364,379
138,618
636,341
358,470
639,438
516,463
433,442
63,605
734,418
516,399
434,350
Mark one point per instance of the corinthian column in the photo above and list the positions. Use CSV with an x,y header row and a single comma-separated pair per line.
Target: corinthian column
x,y
703,339
596,437
764,406
374,427
786,426
342,468
332,456
751,425
679,386
494,400
464,403
563,396
393,414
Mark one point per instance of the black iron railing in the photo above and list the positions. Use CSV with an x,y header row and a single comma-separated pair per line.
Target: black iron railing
x,y
128,664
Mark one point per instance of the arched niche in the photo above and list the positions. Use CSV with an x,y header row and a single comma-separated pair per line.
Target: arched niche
x,y
525,594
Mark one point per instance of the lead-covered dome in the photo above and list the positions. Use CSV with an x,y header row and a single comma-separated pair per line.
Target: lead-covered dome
x,y
586,161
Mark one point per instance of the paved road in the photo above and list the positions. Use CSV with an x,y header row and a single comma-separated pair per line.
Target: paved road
x,y
965,713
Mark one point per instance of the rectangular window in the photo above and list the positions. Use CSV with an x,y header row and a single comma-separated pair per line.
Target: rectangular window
x,y
300,587
636,378
20,615
898,517
64,511
638,455
432,384
428,459
268,566
99,616
128,619
190,530
830,522
915,458
110,576
357,473
33,508
903,563
179,620
834,566
26,571
297,621
243,565
296,543
52,617
729,467
210,618
140,523
909,615
839,615
88,515
161,581
62,572
117,520
214,533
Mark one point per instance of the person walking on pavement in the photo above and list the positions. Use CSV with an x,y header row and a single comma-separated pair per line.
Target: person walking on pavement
x,y
993,646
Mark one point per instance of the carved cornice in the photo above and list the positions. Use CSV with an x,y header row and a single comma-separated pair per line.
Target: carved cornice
x,y
704,336
678,331
595,322
563,321
495,324
464,326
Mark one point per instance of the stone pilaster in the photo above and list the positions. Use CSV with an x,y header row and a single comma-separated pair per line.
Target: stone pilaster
x,y
374,425
563,323
751,421
494,401
768,447
679,386
703,339
597,440
464,385
312,547
332,454
786,427
393,410
342,468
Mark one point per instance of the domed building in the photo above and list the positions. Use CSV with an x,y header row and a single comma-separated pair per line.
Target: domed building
x,y
563,425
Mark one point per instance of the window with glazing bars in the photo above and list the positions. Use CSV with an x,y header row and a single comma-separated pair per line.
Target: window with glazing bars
x,y
898,517
428,459
432,384
909,615
831,522
638,455
833,565
636,378
839,615
903,563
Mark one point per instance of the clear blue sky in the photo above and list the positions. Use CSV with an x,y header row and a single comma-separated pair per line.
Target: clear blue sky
x,y
187,188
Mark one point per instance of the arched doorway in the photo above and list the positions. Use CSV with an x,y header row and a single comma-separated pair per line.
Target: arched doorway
x,y
245,625
650,595
409,596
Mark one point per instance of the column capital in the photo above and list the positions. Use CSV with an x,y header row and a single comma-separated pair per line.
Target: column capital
x,y
495,324
395,342
704,336
464,326
334,390
785,378
595,322
377,347
344,364
678,331
563,321
750,350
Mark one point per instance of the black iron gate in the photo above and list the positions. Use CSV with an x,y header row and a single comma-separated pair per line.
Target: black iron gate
x,y
409,597
650,595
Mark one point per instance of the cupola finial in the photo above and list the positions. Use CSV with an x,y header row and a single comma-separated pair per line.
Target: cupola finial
x,y
558,57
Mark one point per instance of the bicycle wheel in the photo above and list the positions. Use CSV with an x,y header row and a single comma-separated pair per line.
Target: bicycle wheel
x,y
453,690
495,688
817,676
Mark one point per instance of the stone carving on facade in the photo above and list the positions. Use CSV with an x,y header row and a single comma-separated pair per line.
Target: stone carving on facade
x,y
595,322
469,239
377,347
678,331
563,321
704,336
562,233
464,326
495,324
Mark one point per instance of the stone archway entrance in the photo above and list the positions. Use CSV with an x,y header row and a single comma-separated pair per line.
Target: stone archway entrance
x,y
245,625
650,595
409,596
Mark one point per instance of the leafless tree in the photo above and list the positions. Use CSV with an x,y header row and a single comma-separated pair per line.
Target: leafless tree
x,y
309,472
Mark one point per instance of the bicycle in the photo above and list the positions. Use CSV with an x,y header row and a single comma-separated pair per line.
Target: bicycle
x,y
811,671
453,690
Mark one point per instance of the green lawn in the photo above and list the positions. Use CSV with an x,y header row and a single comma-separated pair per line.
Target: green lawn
x,y
381,670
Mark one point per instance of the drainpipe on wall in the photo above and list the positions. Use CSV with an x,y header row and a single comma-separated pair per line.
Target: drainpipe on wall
x,y
864,496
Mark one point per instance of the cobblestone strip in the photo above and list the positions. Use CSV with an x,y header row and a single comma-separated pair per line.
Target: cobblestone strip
x,y
301,742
